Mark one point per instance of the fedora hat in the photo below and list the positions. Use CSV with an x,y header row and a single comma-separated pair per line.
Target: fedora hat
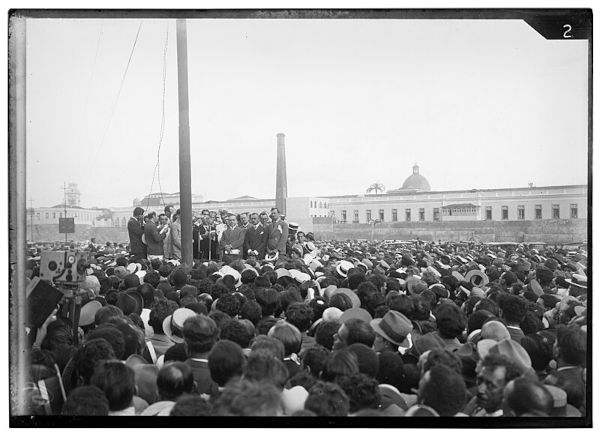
x,y
394,327
173,324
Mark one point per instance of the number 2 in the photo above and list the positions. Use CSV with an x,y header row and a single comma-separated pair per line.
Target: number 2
x,y
568,29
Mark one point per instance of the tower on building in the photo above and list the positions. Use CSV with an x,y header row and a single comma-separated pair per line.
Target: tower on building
x,y
281,182
73,197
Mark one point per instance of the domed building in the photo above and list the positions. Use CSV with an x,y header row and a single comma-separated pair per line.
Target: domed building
x,y
414,183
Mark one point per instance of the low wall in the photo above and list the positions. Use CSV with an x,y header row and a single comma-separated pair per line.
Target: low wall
x,y
545,230
49,233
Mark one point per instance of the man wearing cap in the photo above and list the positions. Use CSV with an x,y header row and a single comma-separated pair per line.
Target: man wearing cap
x,y
135,228
277,233
232,241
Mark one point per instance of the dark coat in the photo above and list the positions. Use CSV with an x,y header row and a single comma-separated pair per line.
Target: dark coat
x,y
256,240
135,229
154,240
205,242
234,237
277,236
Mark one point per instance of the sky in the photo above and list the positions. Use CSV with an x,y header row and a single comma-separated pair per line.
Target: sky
x,y
475,103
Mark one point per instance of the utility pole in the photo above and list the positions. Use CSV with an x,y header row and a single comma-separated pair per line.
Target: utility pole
x,y
31,220
65,204
17,123
185,183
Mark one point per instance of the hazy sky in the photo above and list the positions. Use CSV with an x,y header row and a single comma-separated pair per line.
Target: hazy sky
x,y
477,104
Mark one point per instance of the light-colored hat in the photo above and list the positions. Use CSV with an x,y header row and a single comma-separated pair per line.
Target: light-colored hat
x,y
88,312
332,314
343,267
473,274
174,323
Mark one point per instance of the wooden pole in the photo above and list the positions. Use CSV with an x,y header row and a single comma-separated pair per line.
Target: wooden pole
x,y
185,184
17,214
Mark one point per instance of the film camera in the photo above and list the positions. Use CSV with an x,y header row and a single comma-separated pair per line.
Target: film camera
x,y
63,267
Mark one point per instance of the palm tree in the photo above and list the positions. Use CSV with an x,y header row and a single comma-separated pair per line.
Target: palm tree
x,y
377,187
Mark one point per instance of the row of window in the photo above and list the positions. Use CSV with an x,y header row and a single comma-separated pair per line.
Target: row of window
x,y
314,204
537,212
84,216
458,211
381,215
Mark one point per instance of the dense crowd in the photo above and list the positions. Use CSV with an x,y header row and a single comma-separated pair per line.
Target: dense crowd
x,y
270,322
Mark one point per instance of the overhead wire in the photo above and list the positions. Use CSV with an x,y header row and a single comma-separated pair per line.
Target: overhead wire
x,y
114,106
156,173
91,82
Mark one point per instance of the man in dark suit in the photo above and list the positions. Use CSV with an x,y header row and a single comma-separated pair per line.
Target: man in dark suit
x,y
154,237
135,228
256,237
232,241
207,236
277,233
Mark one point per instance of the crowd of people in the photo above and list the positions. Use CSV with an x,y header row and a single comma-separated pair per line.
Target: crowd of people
x,y
271,322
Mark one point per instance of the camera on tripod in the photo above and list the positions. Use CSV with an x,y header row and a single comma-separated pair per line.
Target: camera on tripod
x,y
63,267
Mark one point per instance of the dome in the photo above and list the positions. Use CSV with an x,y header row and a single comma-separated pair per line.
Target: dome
x,y
416,181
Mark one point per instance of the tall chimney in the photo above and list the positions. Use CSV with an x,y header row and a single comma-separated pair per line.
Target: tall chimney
x,y
281,182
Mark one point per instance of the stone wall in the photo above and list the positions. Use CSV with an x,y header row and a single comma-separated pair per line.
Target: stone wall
x,y
546,230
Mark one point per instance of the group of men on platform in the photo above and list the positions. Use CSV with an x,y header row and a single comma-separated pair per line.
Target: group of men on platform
x,y
216,236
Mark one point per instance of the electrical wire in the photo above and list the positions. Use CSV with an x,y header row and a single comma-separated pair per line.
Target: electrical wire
x,y
156,173
114,106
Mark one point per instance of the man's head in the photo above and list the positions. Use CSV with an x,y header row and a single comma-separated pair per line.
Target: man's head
x,y
244,218
527,396
169,210
354,331
264,218
513,308
288,334
231,220
495,372
226,361
362,391
117,380
174,379
254,219
265,368
328,400
571,345
88,355
249,399
163,219
275,214
443,389
86,401
138,212
200,334
300,315
152,217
